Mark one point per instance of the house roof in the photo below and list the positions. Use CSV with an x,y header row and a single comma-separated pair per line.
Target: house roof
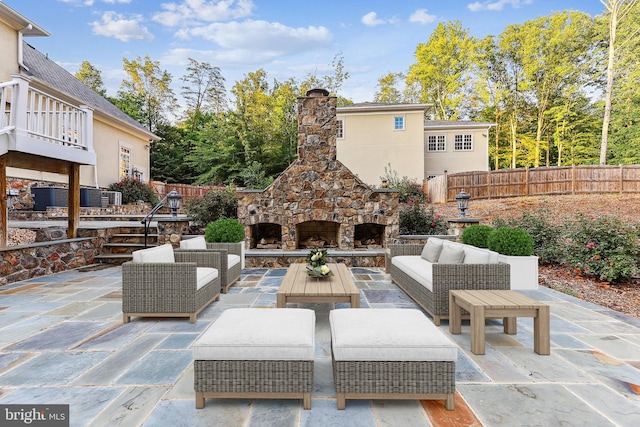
x,y
20,23
363,107
455,124
48,72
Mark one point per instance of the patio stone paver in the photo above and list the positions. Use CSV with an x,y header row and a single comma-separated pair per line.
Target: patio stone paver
x,y
62,341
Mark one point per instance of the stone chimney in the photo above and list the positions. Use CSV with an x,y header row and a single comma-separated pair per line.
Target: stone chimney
x,y
317,126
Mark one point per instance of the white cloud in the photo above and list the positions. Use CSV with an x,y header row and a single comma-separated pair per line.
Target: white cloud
x,y
117,1
496,5
188,11
422,16
371,20
259,36
117,26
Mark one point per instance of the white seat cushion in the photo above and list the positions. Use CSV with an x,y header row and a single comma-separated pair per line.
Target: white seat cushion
x,y
259,334
194,243
233,260
162,253
204,275
388,335
415,267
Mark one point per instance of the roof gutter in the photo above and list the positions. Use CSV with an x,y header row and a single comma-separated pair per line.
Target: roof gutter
x,y
20,51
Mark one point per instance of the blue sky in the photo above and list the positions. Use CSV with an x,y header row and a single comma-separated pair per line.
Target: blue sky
x,y
286,38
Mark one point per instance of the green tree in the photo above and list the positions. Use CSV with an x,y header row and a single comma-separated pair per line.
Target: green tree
x,y
624,131
443,69
203,90
388,88
92,77
151,87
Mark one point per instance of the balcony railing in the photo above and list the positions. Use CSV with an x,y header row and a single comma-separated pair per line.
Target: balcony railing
x,y
38,116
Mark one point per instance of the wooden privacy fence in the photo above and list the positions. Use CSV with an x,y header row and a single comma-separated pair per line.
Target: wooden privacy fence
x,y
536,182
188,192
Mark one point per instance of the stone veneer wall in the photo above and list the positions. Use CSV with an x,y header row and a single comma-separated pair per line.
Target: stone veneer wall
x,y
318,187
39,259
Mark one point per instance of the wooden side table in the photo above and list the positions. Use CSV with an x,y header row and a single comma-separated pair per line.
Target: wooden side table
x,y
491,304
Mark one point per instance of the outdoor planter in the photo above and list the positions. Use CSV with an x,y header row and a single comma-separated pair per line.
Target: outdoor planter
x,y
524,271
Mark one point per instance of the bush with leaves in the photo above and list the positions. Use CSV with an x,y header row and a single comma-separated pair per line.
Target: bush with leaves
x,y
225,230
410,190
602,247
133,189
416,219
476,235
510,241
214,204
547,237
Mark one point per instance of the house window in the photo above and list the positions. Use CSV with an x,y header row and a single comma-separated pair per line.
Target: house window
x,y
340,129
398,123
436,143
463,142
125,162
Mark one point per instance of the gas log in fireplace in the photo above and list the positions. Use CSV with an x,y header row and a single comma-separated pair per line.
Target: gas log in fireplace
x,y
317,202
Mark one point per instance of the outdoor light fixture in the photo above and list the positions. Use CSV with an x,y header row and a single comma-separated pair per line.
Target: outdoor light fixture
x,y
463,203
174,202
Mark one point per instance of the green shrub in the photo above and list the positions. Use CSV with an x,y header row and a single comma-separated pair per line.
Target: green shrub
x,y
410,191
417,220
213,205
476,235
547,238
225,230
133,189
603,247
510,241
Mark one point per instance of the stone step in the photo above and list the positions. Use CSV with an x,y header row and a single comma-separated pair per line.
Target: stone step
x,y
124,248
113,258
133,238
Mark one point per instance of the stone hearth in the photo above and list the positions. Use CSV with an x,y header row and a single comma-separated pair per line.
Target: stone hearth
x,y
317,198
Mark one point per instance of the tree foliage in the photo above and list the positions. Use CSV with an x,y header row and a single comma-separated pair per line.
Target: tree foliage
x,y
150,88
92,77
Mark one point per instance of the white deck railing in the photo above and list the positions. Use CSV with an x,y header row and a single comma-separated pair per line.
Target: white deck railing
x,y
43,116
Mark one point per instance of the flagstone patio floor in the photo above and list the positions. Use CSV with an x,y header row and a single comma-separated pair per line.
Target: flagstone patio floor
x,y
62,340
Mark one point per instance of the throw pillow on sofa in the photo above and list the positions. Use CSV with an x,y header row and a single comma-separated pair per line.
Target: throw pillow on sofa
x,y
432,249
451,255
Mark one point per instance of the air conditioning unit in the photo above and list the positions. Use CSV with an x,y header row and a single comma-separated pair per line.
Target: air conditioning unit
x,y
115,197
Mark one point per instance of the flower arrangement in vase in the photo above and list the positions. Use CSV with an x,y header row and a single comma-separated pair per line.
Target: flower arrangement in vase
x,y
316,264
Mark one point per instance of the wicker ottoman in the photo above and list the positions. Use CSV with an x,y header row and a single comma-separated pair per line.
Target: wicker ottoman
x,y
391,354
256,353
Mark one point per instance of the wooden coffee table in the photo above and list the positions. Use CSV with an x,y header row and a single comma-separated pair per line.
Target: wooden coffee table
x,y
491,304
297,286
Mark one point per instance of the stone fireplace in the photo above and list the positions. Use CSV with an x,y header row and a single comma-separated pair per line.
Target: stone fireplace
x,y
317,202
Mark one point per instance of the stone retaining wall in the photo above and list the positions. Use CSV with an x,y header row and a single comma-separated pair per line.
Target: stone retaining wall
x,y
39,259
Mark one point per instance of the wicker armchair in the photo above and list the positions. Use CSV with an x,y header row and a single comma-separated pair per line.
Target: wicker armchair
x,y
162,283
231,260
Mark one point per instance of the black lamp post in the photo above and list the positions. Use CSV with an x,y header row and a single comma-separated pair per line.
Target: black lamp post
x,y
463,203
174,199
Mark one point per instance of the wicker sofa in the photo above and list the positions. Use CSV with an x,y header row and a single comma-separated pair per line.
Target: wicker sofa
x,y
428,282
162,283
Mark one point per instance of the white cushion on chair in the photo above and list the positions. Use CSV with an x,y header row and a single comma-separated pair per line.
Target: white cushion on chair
x,y
204,275
387,335
162,253
259,334
194,243
232,260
